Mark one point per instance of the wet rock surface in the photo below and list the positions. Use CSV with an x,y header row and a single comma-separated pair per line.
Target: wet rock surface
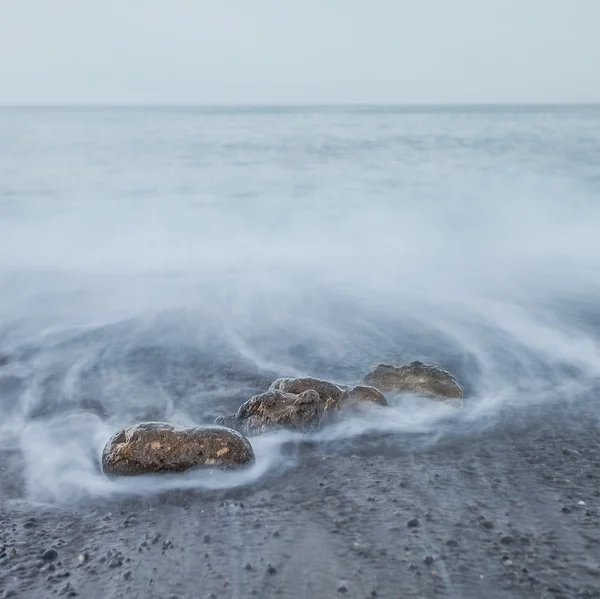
x,y
335,398
157,447
276,410
330,394
360,398
300,404
416,378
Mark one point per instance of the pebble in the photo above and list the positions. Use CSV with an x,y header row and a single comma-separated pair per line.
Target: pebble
x,y
342,588
581,503
592,571
428,560
248,567
507,540
115,563
271,570
206,538
49,555
414,523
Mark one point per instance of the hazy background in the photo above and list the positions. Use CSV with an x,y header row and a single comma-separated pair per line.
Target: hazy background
x,y
314,51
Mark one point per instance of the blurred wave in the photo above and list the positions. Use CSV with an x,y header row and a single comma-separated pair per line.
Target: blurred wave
x,y
169,264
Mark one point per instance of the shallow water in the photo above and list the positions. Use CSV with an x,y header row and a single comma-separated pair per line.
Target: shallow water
x,y
167,264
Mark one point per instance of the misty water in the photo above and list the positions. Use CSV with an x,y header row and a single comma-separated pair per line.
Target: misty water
x,y
168,264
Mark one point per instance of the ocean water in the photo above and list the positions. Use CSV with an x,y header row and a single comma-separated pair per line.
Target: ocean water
x,y
168,264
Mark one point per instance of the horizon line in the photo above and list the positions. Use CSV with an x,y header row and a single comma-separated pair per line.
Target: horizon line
x,y
261,105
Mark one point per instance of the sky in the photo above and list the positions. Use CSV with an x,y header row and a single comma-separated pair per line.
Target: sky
x,y
299,52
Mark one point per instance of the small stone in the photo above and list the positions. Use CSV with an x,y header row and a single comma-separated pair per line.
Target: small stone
x,y
581,503
593,571
566,510
248,567
452,543
271,570
428,560
115,563
508,562
49,555
83,557
487,524
127,575
342,589
414,523
206,538
507,540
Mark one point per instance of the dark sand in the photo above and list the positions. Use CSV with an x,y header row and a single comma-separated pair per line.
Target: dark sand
x,y
486,515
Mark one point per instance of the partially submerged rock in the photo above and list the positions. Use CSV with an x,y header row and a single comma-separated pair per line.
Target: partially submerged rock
x,y
330,394
158,447
335,398
361,397
416,378
276,410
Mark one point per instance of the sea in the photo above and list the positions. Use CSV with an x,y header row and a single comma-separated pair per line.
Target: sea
x,y
169,263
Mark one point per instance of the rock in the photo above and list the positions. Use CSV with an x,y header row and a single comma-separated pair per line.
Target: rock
x,y
4,360
362,397
50,555
158,447
416,378
301,404
414,523
277,409
229,421
334,397
271,570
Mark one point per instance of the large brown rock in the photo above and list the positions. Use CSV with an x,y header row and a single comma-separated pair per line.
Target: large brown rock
x,y
416,378
158,447
276,410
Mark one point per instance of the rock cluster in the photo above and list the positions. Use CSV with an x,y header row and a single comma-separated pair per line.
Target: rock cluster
x,y
301,404
298,404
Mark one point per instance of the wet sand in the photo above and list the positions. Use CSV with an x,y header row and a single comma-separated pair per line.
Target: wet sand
x,y
512,512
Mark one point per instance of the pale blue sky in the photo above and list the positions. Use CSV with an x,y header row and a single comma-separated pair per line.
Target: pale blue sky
x,y
309,51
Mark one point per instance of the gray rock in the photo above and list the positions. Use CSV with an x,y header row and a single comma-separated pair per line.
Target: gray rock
x,y
416,378
158,447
